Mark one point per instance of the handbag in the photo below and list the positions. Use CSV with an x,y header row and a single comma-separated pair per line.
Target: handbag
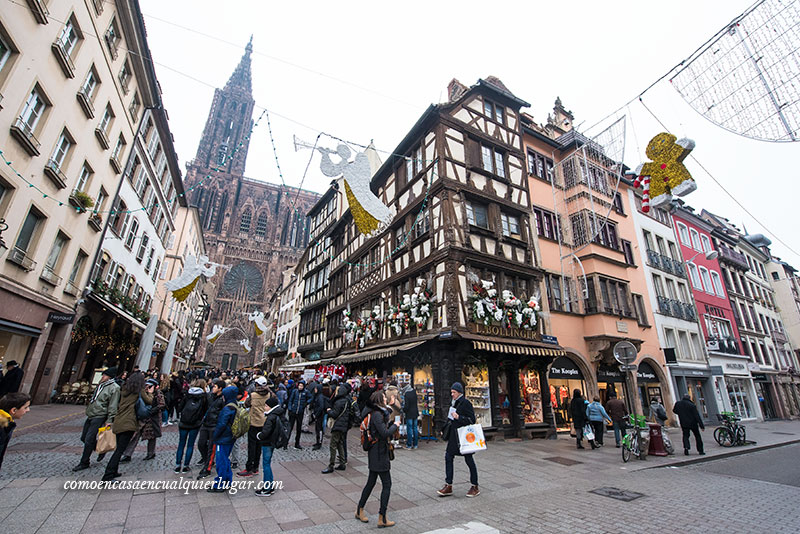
x,y
470,439
446,430
106,440
588,432
142,410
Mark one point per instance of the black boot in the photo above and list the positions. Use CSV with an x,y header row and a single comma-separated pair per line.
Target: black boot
x,y
327,470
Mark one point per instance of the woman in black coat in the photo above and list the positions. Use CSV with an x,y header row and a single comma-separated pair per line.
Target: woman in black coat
x,y
577,408
379,455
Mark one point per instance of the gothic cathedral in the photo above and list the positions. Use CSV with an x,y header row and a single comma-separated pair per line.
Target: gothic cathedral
x,y
250,225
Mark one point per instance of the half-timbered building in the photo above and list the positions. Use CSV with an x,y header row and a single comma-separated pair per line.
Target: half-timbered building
x,y
462,232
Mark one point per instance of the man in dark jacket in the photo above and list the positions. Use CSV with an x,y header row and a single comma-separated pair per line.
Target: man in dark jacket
x,y
411,413
11,379
461,414
319,406
268,437
577,409
690,422
340,413
204,443
223,440
617,411
298,400
192,409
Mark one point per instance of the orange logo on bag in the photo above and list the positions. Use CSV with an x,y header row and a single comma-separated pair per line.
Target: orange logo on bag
x,y
470,437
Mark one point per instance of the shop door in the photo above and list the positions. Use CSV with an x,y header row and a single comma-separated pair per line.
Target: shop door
x,y
504,401
764,399
695,391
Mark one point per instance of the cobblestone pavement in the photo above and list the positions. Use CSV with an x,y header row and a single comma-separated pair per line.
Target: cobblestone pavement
x,y
529,486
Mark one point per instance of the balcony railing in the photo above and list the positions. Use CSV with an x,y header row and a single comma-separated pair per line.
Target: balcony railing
x,y
96,222
727,345
779,337
114,160
63,58
665,263
86,102
732,257
676,308
71,289
23,133
53,171
39,10
21,259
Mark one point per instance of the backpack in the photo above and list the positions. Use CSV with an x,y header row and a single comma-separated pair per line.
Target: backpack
x,y
241,421
282,428
367,441
192,412
142,410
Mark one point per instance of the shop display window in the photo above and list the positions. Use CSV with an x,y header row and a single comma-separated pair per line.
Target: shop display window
x,y
531,394
476,390
617,387
503,400
423,384
14,347
739,399
560,397
694,388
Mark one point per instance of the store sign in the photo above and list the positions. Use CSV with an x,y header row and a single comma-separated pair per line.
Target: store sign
x,y
735,368
563,367
760,377
753,366
610,374
553,340
716,370
60,318
500,331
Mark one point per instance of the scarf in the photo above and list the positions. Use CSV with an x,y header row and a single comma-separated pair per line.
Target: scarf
x,y
100,388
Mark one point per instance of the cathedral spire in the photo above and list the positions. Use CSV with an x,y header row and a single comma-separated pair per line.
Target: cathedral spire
x,y
240,78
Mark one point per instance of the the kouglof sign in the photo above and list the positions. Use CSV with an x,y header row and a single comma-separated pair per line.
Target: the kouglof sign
x,y
501,331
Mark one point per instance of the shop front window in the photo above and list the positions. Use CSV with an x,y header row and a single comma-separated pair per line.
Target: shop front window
x,y
14,347
503,400
739,399
423,385
476,389
695,392
531,394
564,378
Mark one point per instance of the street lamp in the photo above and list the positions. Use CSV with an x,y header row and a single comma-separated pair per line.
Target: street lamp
x,y
710,255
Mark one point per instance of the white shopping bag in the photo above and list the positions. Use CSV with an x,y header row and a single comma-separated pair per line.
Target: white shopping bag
x,y
470,439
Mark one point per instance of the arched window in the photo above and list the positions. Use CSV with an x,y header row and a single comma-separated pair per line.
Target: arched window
x,y
244,226
261,224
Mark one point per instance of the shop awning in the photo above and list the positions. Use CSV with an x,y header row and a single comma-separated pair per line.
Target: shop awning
x,y
522,350
377,354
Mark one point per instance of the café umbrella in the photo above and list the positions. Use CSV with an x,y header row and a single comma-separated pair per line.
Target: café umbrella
x,y
169,354
146,345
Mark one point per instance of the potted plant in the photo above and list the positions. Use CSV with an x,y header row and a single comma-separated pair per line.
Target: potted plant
x,y
81,200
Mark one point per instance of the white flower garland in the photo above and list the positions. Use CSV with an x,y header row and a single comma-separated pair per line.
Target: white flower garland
x,y
509,311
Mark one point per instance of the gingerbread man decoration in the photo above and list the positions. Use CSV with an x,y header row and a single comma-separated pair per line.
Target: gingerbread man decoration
x,y
666,175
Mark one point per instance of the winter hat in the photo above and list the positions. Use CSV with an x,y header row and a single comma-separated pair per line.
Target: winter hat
x,y
457,387
261,381
151,382
272,402
111,371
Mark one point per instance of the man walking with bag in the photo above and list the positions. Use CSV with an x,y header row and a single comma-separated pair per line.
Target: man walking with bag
x,y
101,411
461,414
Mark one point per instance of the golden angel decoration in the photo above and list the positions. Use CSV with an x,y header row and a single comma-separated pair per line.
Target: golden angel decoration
x,y
257,318
183,285
369,213
216,331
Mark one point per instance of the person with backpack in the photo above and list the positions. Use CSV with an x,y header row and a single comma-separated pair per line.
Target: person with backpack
x,y
125,422
376,430
257,402
274,434
223,439
658,414
340,413
461,414
192,409
205,445
298,400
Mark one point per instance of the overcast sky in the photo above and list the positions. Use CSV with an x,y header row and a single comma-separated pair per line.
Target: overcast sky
x,y
367,70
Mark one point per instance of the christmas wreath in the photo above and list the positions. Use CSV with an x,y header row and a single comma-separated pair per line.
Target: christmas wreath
x,y
362,330
508,310
413,311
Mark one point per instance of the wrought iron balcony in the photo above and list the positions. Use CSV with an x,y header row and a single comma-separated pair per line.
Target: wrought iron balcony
x,y
86,102
727,345
64,59
23,133
53,171
732,257
676,308
102,137
665,263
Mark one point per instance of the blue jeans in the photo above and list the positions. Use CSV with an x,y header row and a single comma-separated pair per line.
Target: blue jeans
x,y
164,416
412,432
266,463
619,431
224,473
186,439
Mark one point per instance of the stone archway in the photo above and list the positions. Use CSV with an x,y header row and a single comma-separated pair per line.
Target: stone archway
x,y
663,379
586,369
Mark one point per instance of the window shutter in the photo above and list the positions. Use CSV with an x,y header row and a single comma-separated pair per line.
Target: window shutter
x,y
473,150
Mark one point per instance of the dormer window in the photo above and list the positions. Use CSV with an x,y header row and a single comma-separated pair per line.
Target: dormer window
x,y
493,111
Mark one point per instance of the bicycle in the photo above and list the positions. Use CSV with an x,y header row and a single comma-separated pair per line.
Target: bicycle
x,y
731,433
631,441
